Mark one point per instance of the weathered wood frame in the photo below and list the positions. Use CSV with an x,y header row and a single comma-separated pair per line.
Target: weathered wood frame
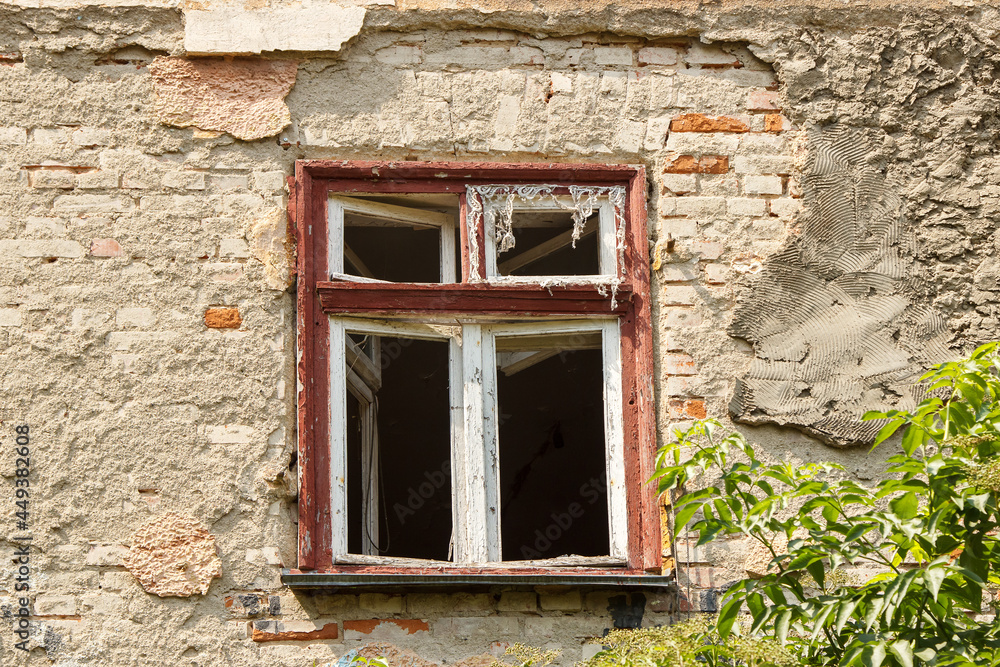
x,y
317,298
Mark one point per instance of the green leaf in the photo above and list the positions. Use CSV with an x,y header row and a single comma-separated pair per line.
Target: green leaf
x,y
903,651
818,571
858,531
886,431
912,439
873,611
873,655
934,576
905,506
844,613
727,616
781,626
684,516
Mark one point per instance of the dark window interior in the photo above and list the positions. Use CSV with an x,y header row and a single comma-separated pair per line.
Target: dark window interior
x,y
397,254
393,250
543,246
553,490
414,453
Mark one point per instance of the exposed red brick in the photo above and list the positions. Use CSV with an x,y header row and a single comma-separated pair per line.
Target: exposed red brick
x,y
697,122
105,248
223,318
693,408
261,632
706,164
775,122
366,626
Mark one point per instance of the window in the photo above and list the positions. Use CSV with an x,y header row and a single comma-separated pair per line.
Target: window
x,y
475,369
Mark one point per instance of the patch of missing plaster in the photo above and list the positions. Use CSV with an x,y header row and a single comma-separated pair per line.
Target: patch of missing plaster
x,y
244,97
395,656
834,332
173,555
271,242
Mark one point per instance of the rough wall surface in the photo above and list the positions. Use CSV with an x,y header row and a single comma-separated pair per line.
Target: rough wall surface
x,y
834,329
146,330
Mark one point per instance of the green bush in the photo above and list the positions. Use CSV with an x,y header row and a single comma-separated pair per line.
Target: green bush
x,y
930,528
690,643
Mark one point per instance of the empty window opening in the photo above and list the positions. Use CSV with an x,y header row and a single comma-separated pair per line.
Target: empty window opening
x,y
399,490
553,489
544,245
408,239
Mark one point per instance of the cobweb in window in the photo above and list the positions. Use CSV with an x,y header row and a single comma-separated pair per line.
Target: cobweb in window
x,y
494,204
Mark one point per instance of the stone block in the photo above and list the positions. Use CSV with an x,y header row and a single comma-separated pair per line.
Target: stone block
x,y
10,317
613,55
679,184
381,603
13,136
234,248
678,295
100,179
89,137
763,164
184,180
701,206
232,29
657,55
135,317
561,601
518,601
55,605
747,207
762,185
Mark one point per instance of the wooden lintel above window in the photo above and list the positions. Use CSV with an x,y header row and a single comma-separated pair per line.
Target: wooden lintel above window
x,y
482,298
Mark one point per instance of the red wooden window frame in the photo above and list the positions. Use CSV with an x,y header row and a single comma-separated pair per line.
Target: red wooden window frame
x,y
317,297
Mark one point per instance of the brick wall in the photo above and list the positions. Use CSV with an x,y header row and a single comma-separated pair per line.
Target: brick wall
x,y
145,337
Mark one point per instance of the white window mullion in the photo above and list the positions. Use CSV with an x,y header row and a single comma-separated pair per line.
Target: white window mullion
x,y
614,439
335,237
459,487
338,438
480,542
448,272
609,240
491,446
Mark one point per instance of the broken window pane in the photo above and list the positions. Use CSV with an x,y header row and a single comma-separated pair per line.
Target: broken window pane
x,y
400,238
402,453
553,490
544,245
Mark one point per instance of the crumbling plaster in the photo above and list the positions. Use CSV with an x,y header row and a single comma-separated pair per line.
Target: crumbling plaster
x,y
120,233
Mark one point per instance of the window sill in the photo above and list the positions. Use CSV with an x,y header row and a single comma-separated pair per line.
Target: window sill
x,y
361,578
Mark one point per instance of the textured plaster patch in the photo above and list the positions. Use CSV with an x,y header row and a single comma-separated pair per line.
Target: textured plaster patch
x,y
834,328
242,97
271,243
173,555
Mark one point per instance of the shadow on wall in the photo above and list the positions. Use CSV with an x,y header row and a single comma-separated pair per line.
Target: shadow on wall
x,y
833,329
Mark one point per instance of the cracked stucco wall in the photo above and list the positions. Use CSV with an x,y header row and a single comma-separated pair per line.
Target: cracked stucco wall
x,y
146,332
